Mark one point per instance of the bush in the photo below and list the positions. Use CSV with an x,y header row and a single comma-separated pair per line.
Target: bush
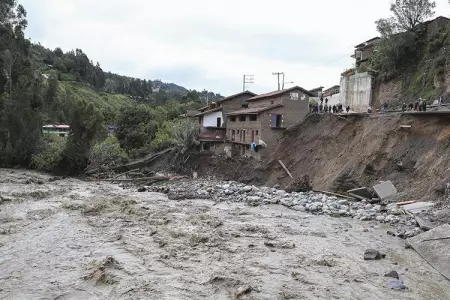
x,y
49,153
185,135
107,153
164,137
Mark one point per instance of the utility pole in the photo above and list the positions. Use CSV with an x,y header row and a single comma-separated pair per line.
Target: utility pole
x,y
248,79
278,75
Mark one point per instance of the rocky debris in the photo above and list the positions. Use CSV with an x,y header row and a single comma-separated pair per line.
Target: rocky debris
x,y
102,272
392,274
396,284
243,290
371,254
302,184
310,202
141,189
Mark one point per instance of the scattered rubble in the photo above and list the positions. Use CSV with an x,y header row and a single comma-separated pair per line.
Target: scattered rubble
x,y
392,274
311,202
396,284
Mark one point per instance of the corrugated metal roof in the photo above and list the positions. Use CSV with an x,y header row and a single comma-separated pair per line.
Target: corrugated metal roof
x,y
254,110
277,93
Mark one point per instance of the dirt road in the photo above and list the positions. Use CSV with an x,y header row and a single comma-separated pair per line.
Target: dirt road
x,y
69,239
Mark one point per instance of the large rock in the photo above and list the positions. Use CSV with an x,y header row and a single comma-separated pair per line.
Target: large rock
x,y
371,254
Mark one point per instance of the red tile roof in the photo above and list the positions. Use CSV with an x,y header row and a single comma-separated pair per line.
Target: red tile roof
x,y
212,135
254,110
282,92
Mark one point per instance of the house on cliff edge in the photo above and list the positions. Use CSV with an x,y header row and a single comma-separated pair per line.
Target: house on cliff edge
x,y
213,122
265,119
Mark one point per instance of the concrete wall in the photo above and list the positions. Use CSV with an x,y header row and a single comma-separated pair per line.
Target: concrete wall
x,y
356,91
210,120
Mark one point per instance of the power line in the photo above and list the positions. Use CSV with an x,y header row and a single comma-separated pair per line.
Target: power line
x,y
326,63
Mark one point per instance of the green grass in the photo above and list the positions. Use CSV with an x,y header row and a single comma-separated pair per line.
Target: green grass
x,y
107,103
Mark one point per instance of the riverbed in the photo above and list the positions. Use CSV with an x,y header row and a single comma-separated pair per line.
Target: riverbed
x,y
71,239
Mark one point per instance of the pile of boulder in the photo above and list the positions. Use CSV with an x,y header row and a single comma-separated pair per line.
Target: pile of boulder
x,y
310,202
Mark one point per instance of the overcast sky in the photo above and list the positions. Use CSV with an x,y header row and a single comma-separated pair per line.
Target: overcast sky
x,y
210,44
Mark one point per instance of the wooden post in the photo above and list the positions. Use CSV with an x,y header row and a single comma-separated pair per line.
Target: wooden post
x,y
286,169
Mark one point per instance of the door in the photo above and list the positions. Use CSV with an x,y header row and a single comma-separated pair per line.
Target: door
x,y
219,122
253,136
243,135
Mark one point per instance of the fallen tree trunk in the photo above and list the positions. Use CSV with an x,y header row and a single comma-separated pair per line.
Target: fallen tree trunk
x,y
153,178
137,164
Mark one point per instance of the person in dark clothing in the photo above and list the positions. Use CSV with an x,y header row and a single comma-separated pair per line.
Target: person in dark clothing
x,y
416,106
321,107
326,100
424,106
340,108
404,107
321,98
420,105
347,109
410,106
334,109
325,108
316,108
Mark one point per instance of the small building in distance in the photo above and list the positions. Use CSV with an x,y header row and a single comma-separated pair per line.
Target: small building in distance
x,y
213,122
364,51
265,119
317,92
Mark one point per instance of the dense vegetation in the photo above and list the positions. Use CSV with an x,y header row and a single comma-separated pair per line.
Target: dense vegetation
x,y
408,54
40,86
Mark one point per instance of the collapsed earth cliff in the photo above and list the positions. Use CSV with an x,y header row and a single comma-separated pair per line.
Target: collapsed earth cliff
x,y
340,153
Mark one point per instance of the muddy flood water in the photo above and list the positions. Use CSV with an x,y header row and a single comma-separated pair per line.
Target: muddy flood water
x,y
70,239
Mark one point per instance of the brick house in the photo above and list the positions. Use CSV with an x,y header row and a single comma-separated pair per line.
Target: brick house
x,y
364,51
265,119
213,123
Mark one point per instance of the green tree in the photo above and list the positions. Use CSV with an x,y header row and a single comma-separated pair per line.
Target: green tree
x,y
407,15
86,124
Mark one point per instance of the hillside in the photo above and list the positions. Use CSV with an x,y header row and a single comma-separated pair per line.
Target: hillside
x,y
74,68
409,66
342,154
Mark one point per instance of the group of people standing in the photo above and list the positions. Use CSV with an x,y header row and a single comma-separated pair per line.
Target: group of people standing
x,y
321,108
417,106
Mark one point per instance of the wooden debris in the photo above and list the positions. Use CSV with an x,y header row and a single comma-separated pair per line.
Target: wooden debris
x,y
405,203
125,173
335,194
154,178
358,197
286,169
405,126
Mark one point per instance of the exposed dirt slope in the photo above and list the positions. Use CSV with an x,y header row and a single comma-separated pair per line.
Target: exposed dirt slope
x,y
338,154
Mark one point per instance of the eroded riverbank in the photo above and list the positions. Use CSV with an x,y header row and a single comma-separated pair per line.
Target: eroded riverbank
x,y
69,239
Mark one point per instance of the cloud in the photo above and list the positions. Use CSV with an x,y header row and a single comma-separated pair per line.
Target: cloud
x,y
211,44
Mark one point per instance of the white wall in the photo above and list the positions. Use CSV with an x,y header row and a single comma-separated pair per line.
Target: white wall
x,y
210,120
356,92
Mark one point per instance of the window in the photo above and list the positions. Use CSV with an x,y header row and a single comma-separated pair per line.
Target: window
x,y
242,118
257,132
233,118
294,96
243,135
253,117
245,105
233,133
219,122
271,102
276,121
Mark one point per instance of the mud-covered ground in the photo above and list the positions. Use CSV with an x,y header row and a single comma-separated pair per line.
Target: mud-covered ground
x,y
69,239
